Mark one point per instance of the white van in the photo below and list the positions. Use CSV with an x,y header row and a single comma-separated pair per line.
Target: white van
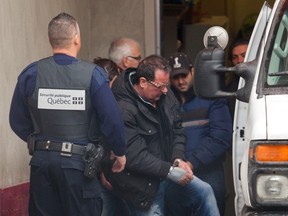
x,y
260,137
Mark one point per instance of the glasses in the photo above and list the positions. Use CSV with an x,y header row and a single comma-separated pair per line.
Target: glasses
x,y
158,85
137,58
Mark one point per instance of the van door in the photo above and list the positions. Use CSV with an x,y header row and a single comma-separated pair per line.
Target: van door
x,y
241,108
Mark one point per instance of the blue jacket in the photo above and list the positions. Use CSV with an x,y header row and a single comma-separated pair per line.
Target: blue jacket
x,y
208,127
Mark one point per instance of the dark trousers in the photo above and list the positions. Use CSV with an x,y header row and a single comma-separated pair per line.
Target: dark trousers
x,y
59,188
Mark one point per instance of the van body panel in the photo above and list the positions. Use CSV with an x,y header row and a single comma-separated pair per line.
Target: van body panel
x,y
277,117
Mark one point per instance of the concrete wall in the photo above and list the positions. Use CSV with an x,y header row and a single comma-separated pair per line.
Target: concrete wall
x,y
23,39
112,19
125,19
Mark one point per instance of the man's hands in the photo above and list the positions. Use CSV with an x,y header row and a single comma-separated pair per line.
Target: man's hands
x,y
180,172
119,163
105,182
118,166
189,174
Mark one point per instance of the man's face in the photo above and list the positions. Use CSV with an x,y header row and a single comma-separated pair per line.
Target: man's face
x,y
238,54
134,59
182,82
153,90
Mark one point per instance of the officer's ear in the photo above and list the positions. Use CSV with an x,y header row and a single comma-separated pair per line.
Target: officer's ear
x,y
77,40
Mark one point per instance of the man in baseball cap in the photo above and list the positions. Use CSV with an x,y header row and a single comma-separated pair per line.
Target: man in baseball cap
x,y
180,64
181,75
208,128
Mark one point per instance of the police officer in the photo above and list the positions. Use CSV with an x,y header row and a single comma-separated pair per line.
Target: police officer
x,y
58,104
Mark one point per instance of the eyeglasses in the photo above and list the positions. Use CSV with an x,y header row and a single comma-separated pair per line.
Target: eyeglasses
x,y
137,58
158,85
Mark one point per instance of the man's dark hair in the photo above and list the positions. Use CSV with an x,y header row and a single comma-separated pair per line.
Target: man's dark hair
x,y
235,43
109,66
149,65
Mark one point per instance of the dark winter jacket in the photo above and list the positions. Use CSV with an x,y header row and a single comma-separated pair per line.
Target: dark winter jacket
x,y
155,138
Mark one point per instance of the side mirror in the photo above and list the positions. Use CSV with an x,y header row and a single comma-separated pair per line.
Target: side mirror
x,y
245,70
209,69
209,75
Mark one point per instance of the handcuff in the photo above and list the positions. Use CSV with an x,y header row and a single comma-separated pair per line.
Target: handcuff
x,y
177,161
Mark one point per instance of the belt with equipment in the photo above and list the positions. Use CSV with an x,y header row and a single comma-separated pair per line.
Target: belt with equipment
x,y
66,148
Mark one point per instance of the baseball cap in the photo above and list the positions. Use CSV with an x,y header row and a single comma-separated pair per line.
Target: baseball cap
x,y
180,64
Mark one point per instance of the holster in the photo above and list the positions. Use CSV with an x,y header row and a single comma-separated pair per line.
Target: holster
x,y
93,159
31,143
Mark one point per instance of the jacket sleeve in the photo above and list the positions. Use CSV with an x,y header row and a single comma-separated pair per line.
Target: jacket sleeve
x,y
108,113
139,159
19,115
217,139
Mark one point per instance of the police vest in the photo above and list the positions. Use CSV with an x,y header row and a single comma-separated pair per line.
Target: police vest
x,y
61,106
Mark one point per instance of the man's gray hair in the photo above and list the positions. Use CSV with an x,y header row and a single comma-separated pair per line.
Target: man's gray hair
x,y
120,48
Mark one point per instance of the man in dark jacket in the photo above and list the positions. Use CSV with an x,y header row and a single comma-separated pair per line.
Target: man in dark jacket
x,y
156,167
207,125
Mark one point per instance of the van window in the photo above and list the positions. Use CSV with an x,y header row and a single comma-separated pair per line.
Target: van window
x,y
278,63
